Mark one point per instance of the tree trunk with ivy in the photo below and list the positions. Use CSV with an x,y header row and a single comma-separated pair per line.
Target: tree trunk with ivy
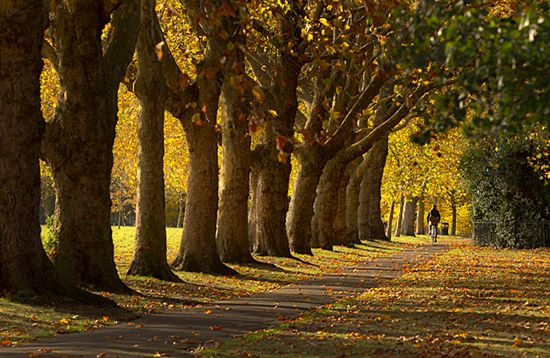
x,y
79,139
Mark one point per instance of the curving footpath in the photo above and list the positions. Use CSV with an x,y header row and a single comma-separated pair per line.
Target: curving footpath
x,y
178,333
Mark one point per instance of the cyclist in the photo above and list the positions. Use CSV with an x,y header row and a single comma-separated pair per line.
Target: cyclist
x,y
433,220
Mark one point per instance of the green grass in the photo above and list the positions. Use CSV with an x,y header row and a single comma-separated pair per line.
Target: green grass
x,y
470,301
20,322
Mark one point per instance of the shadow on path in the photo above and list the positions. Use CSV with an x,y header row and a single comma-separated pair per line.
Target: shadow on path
x,y
178,333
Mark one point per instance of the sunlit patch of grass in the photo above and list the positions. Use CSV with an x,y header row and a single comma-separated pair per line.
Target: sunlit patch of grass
x,y
471,301
196,288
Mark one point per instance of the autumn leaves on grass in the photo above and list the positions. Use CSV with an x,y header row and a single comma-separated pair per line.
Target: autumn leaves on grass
x,y
471,301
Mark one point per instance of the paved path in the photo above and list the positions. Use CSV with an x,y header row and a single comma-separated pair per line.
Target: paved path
x,y
178,333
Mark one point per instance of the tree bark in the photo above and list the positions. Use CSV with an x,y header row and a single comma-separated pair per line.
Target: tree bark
x,y
181,211
232,232
253,184
198,252
369,214
150,243
24,266
399,216
274,170
79,139
340,220
326,202
315,231
352,203
300,213
271,206
409,216
420,223
453,215
390,220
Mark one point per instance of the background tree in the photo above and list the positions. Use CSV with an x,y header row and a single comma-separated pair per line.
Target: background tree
x,y
232,227
196,106
277,69
150,250
495,55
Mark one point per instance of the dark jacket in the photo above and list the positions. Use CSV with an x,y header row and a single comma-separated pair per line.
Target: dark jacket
x,y
434,216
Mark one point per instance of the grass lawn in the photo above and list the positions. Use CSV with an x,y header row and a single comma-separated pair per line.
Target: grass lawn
x,y
471,301
20,322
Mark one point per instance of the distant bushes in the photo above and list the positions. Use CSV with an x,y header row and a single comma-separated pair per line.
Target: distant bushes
x,y
510,192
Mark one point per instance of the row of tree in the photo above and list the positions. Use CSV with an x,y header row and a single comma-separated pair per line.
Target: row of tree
x,y
320,80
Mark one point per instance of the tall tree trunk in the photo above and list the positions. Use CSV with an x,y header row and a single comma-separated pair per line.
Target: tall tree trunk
x,y
399,216
79,139
150,244
315,231
340,220
120,209
390,220
181,211
409,216
300,213
254,195
274,170
326,202
420,224
24,266
369,214
453,214
352,203
271,206
198,252
232,232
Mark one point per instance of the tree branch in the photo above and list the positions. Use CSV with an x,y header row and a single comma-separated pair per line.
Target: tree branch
x,y
49,53
363,145
118,50
366,96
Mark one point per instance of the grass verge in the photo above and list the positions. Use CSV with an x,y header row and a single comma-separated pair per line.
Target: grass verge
x,y
469,302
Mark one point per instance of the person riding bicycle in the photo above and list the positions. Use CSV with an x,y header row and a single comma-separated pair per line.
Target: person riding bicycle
x,y
433,219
